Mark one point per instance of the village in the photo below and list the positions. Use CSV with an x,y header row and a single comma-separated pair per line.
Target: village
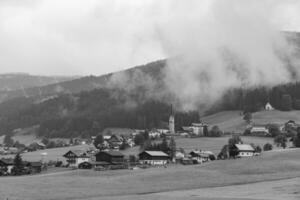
x,y
155,148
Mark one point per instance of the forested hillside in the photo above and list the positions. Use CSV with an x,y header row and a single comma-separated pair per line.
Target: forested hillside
x,y
282,97
10,83
87,113
153,70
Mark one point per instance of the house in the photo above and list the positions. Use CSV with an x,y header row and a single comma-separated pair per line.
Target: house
x,y
6,165
75,157
184,134
115,141
259,131
35,167
106,137
197,129
154,134
111,157
244,150
179,156
153,158
269,107
10,150
36,146
199,156
130,142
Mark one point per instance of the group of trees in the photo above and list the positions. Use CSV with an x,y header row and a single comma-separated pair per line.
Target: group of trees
x,y
215,131
88,113
9,142
296,138
283,97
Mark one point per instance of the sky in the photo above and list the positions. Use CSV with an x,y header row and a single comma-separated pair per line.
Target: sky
x,y
83,37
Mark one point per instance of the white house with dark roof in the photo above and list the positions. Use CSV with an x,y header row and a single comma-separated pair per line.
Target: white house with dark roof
x,y
76,157
244,150
259,131
153,158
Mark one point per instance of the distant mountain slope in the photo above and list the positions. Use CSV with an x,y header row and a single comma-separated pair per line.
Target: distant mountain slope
x,y
153,70
16,84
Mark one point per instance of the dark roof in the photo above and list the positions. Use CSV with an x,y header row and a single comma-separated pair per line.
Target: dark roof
x,y
244,147
7,161
112,153
78,153
35,164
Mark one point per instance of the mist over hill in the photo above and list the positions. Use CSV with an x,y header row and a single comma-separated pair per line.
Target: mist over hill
x,y
141,97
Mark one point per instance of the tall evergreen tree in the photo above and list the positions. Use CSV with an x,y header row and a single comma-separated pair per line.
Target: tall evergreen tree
x,y
164,145
18,164
172,147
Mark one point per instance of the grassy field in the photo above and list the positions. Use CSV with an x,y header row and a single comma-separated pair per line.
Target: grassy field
x,y
233,120
155,183
52,154
215,144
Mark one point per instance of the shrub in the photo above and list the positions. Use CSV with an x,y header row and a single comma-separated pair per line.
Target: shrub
x,y
215,132
280,141
268,147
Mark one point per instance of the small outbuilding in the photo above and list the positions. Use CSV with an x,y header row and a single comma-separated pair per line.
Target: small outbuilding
x,y
112,157
35,167
269,107
153,158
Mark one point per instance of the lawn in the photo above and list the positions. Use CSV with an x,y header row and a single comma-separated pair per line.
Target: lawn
x,y
52,154
215,144
138,184
233,120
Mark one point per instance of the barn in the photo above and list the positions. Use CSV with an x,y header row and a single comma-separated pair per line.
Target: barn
x,y
153,158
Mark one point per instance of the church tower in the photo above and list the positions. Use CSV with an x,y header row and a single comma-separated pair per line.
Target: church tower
x,y
172,122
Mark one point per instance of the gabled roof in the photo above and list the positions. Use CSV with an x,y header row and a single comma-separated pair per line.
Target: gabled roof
x,y
244,147
202,153
8,161
112,153
77,153
35,164
155,153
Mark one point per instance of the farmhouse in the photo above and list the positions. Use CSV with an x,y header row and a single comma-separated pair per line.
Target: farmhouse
x,y
244,150
115,141
259,131
6,165
200,156
36,146
197,129
153,158
35,167
111,157
155,134
75,157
